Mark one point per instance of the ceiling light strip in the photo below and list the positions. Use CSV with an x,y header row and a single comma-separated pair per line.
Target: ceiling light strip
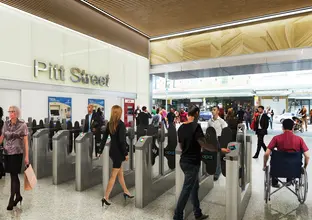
x,y
113,17
236,23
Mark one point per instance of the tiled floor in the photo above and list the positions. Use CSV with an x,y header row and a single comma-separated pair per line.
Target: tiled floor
x,y
49,202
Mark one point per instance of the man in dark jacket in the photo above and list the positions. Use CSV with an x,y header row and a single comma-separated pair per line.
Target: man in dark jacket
x,y
240,115
144,117
261,128
171,116
93,124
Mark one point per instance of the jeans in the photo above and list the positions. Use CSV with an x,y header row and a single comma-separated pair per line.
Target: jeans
x,y
218,169
189,189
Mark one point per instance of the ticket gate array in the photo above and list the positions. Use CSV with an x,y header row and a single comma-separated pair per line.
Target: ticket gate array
x,y
148,188
42,150
238,179
88,170
64,153
32,129
129,174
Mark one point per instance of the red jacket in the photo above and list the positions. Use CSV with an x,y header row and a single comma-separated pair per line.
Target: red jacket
x,y
183,116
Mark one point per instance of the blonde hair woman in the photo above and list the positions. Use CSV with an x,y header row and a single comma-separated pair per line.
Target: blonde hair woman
x,y
117,152
15,134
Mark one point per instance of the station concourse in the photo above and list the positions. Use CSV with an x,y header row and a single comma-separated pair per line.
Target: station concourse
x,y
246,65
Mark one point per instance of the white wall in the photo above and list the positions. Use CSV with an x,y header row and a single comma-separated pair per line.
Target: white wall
x,y
8,98
25,38
277,107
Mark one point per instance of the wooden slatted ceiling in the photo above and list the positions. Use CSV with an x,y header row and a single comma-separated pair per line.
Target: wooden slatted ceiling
x,y
161,17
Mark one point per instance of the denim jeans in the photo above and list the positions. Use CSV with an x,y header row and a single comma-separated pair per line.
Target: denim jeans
x,y
189,189
218,169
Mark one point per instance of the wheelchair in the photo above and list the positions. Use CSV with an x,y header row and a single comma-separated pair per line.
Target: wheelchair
x,y
286,165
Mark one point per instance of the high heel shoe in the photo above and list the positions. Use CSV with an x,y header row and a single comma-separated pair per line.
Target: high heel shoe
x,y
104,201
20,199
127,196
11,205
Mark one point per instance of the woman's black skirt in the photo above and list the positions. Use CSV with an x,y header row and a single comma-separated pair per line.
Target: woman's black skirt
x,y
13,163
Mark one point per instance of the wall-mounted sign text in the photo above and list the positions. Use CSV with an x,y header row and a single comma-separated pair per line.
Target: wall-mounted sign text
x,y
57,72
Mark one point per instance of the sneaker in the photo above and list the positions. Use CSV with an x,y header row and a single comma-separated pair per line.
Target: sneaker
x,y
202,217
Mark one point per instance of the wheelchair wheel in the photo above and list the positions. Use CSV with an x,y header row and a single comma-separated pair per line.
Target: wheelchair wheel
x,y
302,187
267,185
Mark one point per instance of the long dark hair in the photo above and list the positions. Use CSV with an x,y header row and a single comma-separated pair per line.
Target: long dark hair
x,y
1,112
193,110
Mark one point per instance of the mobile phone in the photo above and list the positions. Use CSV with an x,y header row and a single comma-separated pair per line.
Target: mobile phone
x,y
233,147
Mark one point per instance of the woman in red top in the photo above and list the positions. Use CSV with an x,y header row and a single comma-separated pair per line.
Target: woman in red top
x,y
254,119
183,116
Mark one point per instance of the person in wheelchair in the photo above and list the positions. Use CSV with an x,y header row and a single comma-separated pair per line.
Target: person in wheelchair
x,y
287,142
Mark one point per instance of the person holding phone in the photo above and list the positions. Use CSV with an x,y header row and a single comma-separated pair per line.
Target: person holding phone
x,y
116,129
191,139
15,134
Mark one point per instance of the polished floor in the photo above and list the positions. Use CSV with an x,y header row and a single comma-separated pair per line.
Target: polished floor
x,y
49,202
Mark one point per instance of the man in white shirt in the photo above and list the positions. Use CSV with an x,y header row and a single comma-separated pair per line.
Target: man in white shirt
x,y
218,124
216,121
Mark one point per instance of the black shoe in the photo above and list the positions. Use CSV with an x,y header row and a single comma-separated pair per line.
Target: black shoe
x,y
255,157
215,178
202,217
104,201
17,200
127,196
11,204
276,186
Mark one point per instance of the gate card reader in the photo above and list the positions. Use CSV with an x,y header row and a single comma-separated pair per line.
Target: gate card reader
x,y
148,189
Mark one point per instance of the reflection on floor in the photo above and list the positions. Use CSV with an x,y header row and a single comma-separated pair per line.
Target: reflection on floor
x,y
49,202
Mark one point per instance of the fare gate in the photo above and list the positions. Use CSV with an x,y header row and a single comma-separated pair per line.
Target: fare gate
x,y
147,187
88,170
42,154
238,180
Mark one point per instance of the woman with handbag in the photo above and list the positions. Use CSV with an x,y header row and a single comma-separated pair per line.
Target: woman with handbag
x,y
15,134
116,129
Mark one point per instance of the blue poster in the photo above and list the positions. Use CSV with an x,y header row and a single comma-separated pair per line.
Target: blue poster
x,y
60,108
97,103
